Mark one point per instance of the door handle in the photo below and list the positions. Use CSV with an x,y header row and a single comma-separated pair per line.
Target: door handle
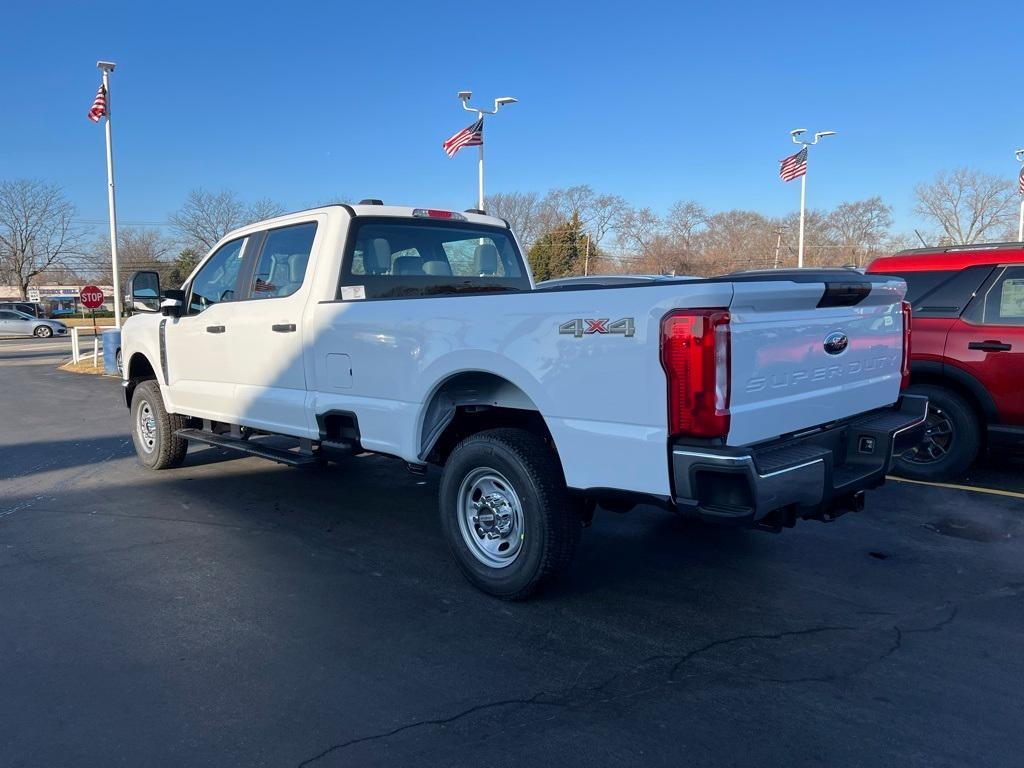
x,y
283,328
215,329
990,346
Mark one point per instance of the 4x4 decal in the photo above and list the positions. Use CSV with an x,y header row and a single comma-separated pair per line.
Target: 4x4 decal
x,y
581,327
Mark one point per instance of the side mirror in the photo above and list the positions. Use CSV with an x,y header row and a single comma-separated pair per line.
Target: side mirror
x,y
174,301
144,290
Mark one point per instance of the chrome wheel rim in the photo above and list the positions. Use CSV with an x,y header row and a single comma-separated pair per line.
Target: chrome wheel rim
x,y
43,332
938,438
490,518
146,427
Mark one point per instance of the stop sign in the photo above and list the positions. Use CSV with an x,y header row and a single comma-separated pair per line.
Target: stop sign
x,y
91,296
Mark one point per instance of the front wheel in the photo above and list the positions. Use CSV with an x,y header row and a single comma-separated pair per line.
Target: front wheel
x,y
153,429
952,437
43,332
506,513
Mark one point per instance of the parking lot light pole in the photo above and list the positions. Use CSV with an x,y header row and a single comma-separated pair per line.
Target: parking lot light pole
x,y
796,135
464,97
1019,154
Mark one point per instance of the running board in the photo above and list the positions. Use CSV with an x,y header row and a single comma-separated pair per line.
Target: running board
x,y
280,455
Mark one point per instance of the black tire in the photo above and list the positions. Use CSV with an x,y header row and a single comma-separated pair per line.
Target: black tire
x,y
550,520
43,331
953,440
161,448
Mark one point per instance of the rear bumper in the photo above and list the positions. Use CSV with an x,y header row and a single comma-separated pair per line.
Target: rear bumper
x,y
820,474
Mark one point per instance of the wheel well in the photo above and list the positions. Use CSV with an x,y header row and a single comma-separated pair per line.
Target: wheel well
x,y
471,402
139,370
938,380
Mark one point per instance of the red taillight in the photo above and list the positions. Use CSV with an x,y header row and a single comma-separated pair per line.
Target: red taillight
x,y
434,213
905,368
695,356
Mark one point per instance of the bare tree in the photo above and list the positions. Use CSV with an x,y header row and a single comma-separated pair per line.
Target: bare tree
x,y
734,240
638,230
37,230
966,204
522,210
820,248
684,219
597,213
207,216
858,229
137,249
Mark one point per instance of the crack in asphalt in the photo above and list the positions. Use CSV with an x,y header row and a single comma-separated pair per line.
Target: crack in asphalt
x,y
591,695
687,657
434,721
565,699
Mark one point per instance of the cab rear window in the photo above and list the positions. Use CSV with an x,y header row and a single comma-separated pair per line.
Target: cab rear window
x,y
399,258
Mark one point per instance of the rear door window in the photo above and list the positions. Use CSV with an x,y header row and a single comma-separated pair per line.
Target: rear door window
x,y
283,261
1003,302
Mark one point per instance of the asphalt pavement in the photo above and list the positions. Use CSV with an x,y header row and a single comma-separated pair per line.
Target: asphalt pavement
x,y
238,613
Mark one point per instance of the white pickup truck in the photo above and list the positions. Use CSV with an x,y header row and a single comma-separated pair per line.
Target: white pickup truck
x,y
751,399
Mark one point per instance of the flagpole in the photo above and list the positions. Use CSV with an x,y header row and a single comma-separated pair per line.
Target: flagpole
x,y
107,67
480,170
803,202
796,135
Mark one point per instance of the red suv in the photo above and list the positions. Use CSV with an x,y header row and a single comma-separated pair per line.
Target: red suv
x,y
967,351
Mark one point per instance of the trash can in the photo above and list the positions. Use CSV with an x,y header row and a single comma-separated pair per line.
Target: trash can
x,y
111,351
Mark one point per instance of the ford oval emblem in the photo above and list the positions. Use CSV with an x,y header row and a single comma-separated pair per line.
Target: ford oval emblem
x,y
836,343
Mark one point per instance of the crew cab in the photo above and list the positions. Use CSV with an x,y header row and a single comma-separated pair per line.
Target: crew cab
x,y
968,352
752,399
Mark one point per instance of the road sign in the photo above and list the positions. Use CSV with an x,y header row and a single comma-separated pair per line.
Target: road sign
x,y
33,294
91,297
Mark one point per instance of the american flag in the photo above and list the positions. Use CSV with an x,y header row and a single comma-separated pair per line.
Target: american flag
x,y
794,166
473,136
99,105
1020,186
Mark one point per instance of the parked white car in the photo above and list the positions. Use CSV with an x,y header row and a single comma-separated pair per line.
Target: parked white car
x,y
418,333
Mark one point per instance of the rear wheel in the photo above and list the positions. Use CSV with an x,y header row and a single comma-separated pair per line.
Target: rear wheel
x,y
153,429
43,331
952,438
506,513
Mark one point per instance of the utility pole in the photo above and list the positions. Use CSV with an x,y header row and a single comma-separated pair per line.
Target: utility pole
x,y
778,245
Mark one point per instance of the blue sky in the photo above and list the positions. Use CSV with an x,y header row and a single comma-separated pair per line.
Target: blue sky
x,y
654,101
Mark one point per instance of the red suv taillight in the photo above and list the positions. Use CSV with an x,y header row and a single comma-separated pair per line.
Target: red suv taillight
x,y
905,368
695,356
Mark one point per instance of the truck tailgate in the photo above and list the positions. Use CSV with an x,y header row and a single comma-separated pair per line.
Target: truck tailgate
x,y
785,377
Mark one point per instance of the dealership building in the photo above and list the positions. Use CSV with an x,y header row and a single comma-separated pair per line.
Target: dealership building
x,y
58,300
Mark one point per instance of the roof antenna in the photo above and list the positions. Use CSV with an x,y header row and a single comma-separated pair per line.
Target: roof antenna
x,y
920,238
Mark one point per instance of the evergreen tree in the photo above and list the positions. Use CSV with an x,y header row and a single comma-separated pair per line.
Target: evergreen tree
x,y
183,265
562,251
